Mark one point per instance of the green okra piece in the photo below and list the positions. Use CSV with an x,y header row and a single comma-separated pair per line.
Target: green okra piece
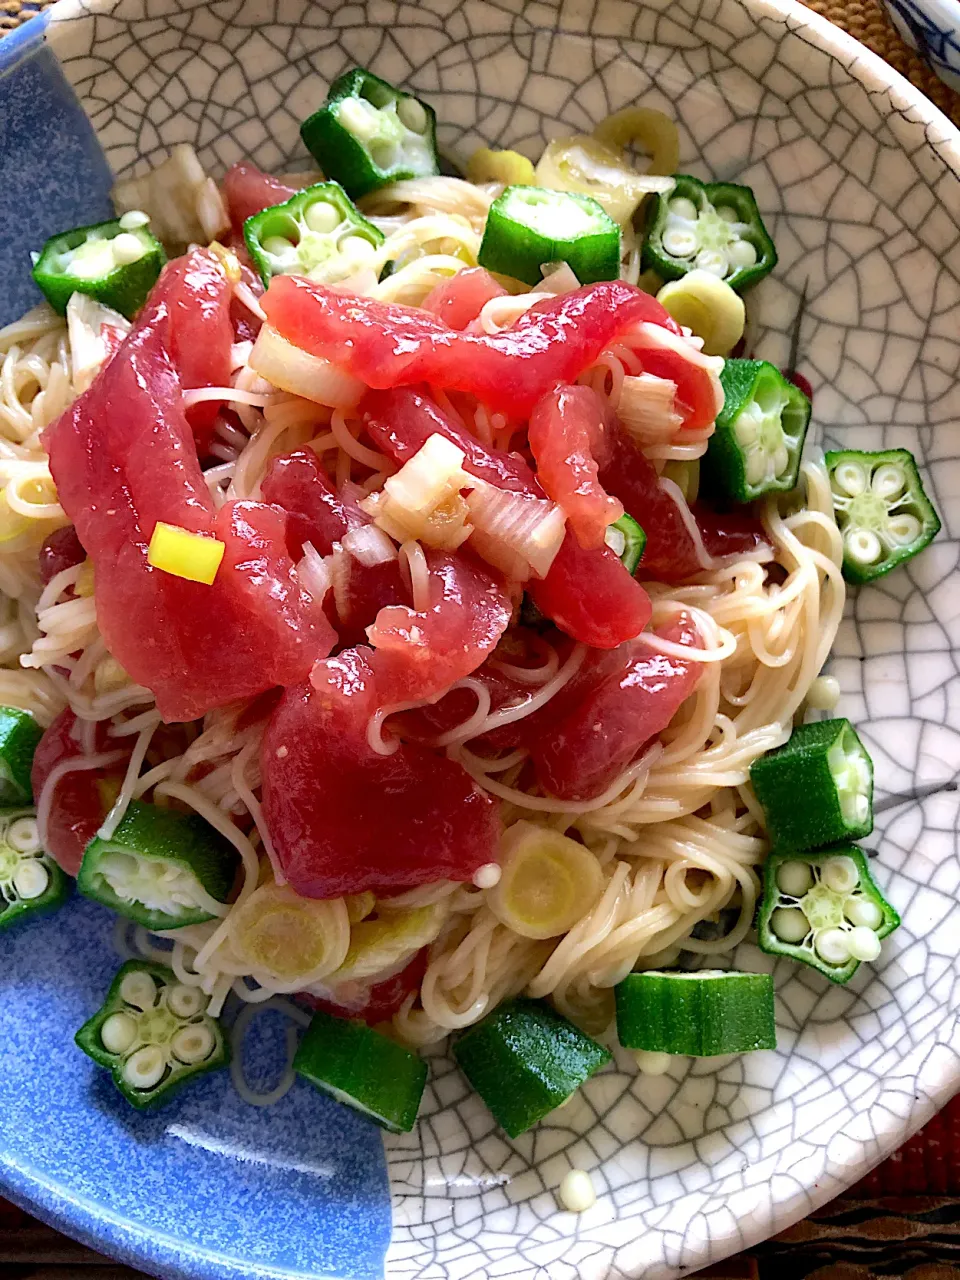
x,y
153,1033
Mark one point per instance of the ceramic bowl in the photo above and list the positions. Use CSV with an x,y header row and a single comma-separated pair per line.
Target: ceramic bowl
x,y
856,175
932,27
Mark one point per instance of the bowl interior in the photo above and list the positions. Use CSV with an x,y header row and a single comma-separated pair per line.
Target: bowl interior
x,y
855,184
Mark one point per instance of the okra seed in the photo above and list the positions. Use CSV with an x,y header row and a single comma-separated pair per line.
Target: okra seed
x,y
357,248
24,835
576,1191
278,246
863,912
863,545
850,478
747,429
133,220
385,155
118,1033
139,989
832,946
904,528
789,924
863,943
741,253
145,1068
683,208
322,217
193,1044
411,113
92,259
186,1002
842,875
31,879
714,261
727,213
679,242
650,1063
794,878
360,118
888,481
127,248
756,468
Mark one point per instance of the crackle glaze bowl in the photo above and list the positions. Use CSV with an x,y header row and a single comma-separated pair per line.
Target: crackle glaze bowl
x,y
858,178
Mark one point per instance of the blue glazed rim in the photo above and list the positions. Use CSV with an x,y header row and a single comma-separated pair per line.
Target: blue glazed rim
x,y
22,41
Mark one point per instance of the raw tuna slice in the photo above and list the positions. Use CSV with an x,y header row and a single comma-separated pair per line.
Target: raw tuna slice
x,y
589,594
343,818
81,798
123,458
671,552
567,438
583,752
460,299
387,345
419,654
246,190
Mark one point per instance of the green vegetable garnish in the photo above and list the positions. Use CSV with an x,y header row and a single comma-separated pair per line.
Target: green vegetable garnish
x,y
153,1033
31,883
115,265
817,788
318,233
823,909
703,1014
529,227
19,735
759,435
626,539
357,1066
715,226
369,133
883,513
524,1059
160,868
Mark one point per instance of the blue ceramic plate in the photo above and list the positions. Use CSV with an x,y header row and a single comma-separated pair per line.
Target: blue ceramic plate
x,y
857,175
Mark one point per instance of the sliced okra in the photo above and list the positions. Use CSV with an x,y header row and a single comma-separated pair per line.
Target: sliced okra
x,y
153,1033
823,909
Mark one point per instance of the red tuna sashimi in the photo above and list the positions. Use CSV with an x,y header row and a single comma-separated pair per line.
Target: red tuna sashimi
x,y
589,594
566,434
315,511
671,552
246,190
123,458
344,818
583,752
387,345
60,550
198,295
360,592
420,653
82,797
376,1002
400,421
460,299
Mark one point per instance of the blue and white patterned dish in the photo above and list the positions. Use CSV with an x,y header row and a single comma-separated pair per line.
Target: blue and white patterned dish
x,y
932,27
857,176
